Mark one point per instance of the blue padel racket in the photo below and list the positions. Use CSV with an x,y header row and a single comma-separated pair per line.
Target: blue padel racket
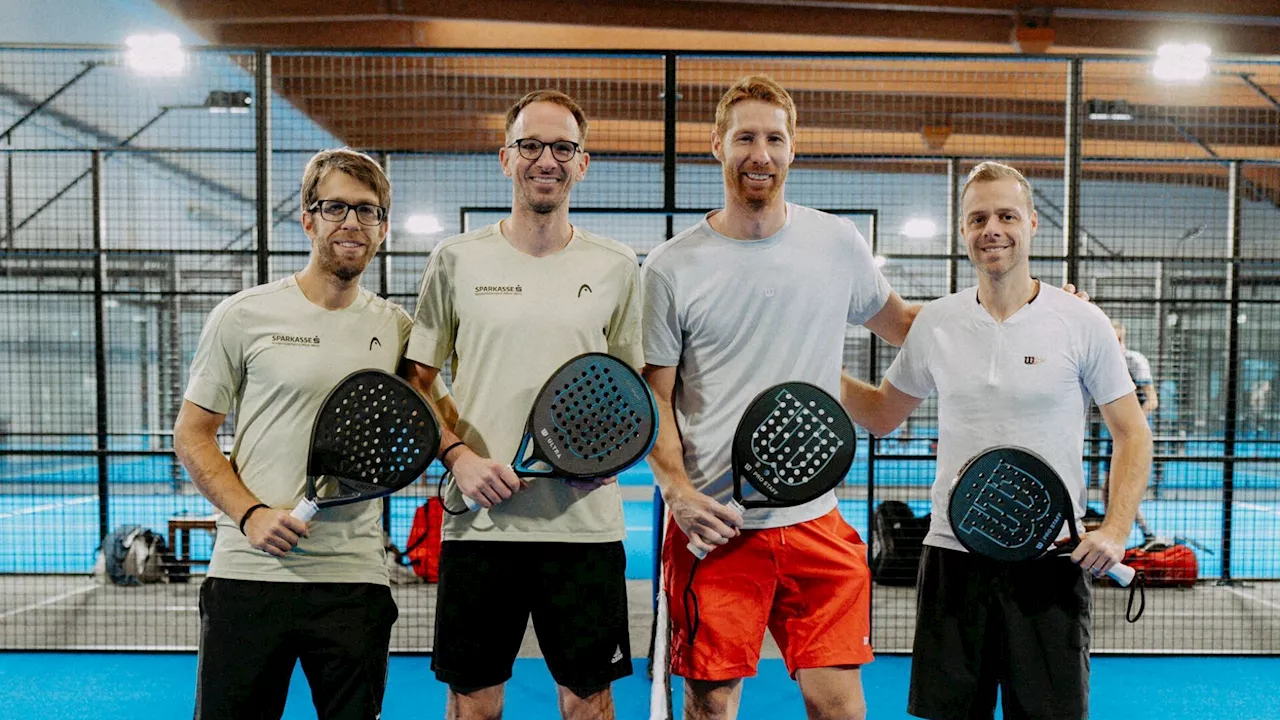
x,y
592,419
373,435
793,444
1009,505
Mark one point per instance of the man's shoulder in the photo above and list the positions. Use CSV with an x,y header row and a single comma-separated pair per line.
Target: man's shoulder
x,y
673,253
470,238
600,243
257,296
940,309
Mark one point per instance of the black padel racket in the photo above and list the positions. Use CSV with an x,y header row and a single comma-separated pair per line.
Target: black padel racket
x,y
793,444
593,418
1008,504
374,435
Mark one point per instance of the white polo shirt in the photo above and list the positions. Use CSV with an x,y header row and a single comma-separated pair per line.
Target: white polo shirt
x,y
1026,381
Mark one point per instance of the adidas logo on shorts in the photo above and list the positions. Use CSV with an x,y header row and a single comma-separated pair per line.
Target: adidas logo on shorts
x,y
617,655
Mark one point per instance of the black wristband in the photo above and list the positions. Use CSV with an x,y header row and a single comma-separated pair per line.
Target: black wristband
x,y
444,455
246,515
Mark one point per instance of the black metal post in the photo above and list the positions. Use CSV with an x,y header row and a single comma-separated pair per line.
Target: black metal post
x,y
262,109
100,344
1233,364
1071,171
953,225
669,99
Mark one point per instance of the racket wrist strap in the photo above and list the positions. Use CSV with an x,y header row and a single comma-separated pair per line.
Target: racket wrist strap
x,y
445,455
245,517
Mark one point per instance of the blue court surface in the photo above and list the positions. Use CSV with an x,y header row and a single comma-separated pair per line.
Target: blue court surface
x,y
52,686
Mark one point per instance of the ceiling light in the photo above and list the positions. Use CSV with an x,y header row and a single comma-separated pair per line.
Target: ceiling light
x,y
155,54
1179,61
223,101
919,228
422,224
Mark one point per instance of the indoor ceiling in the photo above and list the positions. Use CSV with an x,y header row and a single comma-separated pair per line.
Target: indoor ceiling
x,y
924,107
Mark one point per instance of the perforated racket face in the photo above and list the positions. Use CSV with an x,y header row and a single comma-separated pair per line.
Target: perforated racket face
x,y
374,434
594,417
793,444
1008,504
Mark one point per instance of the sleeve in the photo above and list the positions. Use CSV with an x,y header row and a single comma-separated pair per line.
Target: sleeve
x,y
217,369
624,332
662,336
405,325
910,371
435,322
1141,369
870,289
1103,371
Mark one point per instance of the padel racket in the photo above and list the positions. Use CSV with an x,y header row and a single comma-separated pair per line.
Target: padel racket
x,y
793,444
593,418
373,435
1008,504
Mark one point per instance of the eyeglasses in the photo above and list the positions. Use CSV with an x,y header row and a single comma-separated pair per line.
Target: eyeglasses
x,y
561,150
337,211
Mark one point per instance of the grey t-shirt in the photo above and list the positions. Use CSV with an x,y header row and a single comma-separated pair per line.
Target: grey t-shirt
x,y
735,317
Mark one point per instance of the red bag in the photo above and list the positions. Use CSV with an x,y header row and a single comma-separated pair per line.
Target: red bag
x,y
425,538
1164,564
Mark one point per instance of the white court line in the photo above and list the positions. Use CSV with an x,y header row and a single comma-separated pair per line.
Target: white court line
x,y
49,601
1246,596
48,506
1258,508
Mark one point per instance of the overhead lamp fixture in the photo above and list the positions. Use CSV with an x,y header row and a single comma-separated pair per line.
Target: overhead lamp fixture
x,y
1181,62
1108,110
1032,35
422,224
155,55
224,101
919,228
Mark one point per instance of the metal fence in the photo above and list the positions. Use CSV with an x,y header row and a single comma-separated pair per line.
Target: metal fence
x,y
132,205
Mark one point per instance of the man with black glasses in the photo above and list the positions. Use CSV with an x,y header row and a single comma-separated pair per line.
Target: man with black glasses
x,y
508,304
279,589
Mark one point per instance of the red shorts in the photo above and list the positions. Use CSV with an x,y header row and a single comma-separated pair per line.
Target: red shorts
x,y
808,584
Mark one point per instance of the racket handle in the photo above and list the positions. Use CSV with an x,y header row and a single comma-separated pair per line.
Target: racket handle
x,y
305,510
700,553
472,505
1122,574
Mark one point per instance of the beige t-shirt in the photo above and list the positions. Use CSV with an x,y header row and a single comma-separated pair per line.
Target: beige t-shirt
x,y
270,356
509,320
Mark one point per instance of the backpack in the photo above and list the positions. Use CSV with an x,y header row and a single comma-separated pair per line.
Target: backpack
x,y
132,555
897,543
1164,563
425,540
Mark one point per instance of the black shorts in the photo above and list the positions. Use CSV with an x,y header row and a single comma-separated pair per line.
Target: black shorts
x,y
980,624
576,593
252,634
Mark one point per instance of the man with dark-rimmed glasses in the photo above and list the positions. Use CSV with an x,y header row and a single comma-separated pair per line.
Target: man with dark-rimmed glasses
x,y
280,590
509,303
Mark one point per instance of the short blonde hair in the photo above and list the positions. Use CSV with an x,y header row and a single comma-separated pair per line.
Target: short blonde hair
x,y
363,168
990,171
756,87
552,96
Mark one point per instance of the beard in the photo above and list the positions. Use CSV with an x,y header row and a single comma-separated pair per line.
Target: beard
x,y
343,269
752,198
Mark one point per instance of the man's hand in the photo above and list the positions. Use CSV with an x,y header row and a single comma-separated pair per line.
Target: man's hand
x,y
589,485
1099,550
485,481
706,522
274,532
1071,288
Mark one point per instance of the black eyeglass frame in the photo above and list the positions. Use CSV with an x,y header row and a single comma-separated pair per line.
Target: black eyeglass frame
x,y
543,146
318,206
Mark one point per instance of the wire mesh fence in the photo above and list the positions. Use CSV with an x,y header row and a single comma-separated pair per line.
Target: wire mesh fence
x,y
131,206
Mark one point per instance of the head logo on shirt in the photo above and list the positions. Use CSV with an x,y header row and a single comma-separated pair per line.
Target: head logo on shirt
x,y
585,287
374,341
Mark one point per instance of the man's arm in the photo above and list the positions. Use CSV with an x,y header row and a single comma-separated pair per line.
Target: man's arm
x,y
195,441
894,320
483,480
707,523
1130,467
879,410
